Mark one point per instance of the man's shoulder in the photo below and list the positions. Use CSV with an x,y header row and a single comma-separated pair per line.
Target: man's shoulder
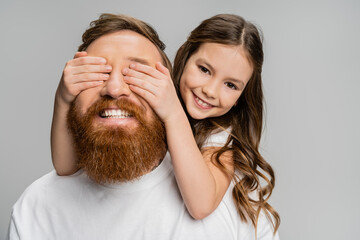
x,y
40,184
47,186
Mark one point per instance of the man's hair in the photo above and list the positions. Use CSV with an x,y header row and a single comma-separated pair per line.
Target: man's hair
x,y
109,23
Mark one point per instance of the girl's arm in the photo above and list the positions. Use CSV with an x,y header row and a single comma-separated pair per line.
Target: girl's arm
x,y
201,183
80,73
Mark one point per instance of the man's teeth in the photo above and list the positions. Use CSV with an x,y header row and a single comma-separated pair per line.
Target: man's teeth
x,y
115,113
202,103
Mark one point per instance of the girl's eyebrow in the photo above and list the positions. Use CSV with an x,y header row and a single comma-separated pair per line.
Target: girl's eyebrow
x,y
212,69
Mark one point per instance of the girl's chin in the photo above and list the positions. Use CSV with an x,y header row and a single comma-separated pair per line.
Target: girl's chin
x,y
197,115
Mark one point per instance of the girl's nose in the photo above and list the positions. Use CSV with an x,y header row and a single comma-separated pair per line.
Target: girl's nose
x,y
211,89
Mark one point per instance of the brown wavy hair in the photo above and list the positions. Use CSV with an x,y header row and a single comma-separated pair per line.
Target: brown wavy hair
x,y
109,23
245,118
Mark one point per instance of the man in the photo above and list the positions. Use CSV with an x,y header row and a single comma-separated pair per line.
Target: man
x,y
126,188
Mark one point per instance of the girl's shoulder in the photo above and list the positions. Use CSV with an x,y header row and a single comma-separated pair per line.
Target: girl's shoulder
x,y
217,138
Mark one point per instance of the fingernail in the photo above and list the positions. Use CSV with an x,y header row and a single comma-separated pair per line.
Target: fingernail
x,y
125,71
108,68
132,65
102,60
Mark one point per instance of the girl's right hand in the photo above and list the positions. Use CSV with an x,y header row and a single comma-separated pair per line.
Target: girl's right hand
x,y
81,73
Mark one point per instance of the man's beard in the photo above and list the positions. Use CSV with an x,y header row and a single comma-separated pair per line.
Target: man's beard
x,y
111,154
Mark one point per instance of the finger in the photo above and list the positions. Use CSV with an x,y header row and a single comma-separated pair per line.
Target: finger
x,y
139,75
140,83
86,85
75,89
159,66
86,60
80,54
88,77
148,70
90,69
147,96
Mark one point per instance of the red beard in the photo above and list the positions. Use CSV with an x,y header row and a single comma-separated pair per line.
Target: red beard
x,y
115,154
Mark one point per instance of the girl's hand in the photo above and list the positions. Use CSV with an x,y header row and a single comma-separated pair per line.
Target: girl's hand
x,y
81,73
155,86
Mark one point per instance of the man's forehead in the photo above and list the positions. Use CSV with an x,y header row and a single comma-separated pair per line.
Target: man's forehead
x,y
126,45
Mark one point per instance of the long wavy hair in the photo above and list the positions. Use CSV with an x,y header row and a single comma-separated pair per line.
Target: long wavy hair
x,y
245,119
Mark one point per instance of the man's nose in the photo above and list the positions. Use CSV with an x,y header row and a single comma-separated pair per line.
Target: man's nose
x,y
115,86
211,88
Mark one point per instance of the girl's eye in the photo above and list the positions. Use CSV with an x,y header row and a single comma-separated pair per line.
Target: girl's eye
x,y
204,69
231,85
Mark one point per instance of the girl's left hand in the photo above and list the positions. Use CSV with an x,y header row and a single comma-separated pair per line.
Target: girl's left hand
x,y
155,86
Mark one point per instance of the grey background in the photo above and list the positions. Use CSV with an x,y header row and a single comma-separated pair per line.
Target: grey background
x,y
311,82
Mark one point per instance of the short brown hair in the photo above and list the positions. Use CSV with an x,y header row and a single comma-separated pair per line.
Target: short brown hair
x,y
109,23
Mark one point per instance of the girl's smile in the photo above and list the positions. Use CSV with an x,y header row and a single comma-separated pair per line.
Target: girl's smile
x,y
201,103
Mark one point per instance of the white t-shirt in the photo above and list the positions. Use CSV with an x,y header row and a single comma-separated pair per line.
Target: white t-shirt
x,y
75,207
217,139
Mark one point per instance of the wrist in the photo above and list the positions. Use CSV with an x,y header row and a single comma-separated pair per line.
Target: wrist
x,y
60,103
178,115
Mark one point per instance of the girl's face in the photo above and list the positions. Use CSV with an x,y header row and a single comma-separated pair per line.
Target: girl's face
x,y
213,79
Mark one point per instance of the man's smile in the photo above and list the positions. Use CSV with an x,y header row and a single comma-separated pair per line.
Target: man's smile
x,y
116,117
114,113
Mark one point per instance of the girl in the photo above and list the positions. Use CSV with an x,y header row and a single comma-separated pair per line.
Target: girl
x,y
217,75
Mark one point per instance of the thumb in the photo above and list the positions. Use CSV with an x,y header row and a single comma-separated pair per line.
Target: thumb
x,y
159,66
80,54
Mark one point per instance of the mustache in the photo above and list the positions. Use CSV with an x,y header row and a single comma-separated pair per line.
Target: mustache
x,y
124,104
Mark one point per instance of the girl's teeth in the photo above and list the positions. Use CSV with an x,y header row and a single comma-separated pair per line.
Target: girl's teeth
x,y
202,103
